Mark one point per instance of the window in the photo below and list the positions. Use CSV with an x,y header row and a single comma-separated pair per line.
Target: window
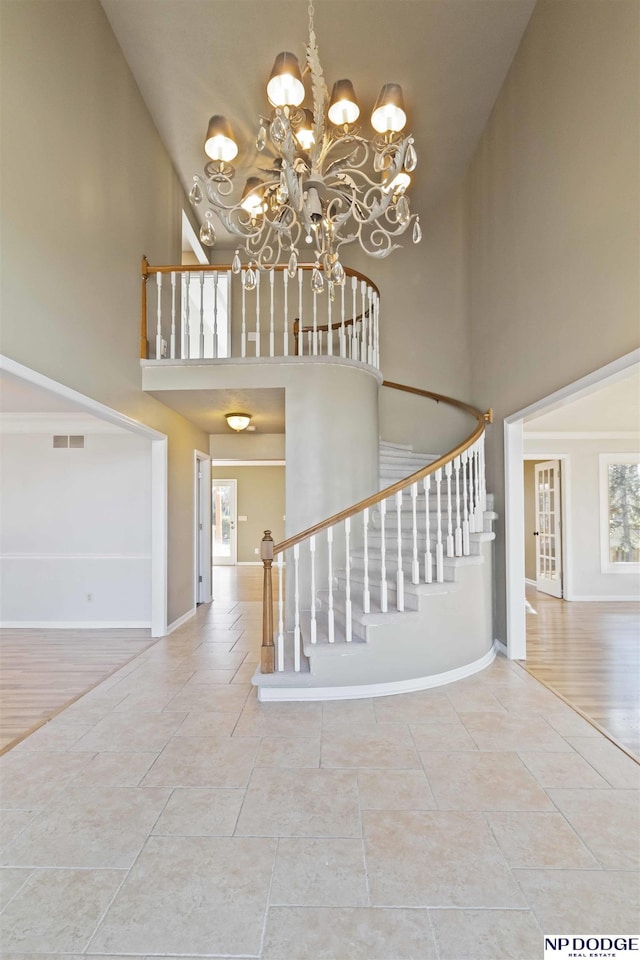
x,y
620,512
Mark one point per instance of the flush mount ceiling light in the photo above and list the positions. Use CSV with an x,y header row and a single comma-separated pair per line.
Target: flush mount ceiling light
x,y
323,182
238,421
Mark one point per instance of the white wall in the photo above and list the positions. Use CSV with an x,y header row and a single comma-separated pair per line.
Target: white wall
x,y
582,575
88,188
75,523
553,195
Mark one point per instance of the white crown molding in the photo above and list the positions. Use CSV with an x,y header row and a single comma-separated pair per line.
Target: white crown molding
x,y
581,435
56,423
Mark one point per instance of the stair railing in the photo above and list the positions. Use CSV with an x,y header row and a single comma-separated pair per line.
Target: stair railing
x,y
447,504
211,312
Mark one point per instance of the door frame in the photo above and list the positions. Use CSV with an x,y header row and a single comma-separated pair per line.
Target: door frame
x,y
234,530
514,488
202,567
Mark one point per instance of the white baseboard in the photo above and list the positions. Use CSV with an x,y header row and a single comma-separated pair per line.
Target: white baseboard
x,y
183,619
366,690
532,583
631,598
249,563
501,647
76,624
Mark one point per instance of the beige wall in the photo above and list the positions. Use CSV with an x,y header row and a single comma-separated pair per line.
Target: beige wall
x,y
553,289
87,188
261,499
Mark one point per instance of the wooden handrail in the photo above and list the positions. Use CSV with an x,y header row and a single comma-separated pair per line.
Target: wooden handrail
x,y
481,418
220,267
324,327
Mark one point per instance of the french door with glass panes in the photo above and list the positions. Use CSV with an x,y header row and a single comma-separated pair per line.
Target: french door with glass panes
x,y
548,527
223,522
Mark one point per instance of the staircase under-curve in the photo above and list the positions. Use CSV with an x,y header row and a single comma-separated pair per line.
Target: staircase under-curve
x,y
399,592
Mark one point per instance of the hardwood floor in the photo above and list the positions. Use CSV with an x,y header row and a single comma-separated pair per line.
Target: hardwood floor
x,y
590,654
43,671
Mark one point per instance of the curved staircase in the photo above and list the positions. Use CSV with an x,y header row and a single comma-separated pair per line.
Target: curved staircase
x,y
409,604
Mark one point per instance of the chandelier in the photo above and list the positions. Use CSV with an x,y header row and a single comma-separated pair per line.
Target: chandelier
x,y
324,184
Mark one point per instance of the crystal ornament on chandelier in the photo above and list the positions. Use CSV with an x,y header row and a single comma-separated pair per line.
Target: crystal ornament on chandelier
x,y
327,184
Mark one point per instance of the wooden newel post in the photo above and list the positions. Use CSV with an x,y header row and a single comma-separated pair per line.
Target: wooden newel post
x,y
267,657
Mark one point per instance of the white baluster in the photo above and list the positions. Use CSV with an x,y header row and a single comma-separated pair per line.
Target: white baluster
x,y
415,565
272,331
377,321
216,343
464,458
366,595
400,571
300,320
186,353
285,281
363,341
428,556
280,651
354,326
330,613
172,347
159,316
315,324
201,327
371,343
296,607
348,622
439,545
383,559
243,337
257,312
343,338
479,517
483,476
329,327
314,626
227,317
458,530
473,465
448,470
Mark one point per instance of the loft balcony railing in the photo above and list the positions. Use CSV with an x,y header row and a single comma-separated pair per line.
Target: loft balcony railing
x,y
208,312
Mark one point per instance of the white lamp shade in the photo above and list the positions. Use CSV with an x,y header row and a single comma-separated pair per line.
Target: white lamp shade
x,y
219,143
388,114
285,87
343,107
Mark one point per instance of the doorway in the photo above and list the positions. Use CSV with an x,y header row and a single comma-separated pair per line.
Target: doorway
x,y
224,521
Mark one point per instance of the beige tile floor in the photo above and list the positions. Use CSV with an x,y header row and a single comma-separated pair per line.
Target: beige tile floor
x,y
168,813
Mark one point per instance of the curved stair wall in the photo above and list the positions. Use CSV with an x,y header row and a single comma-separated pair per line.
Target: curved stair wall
x,y
393,593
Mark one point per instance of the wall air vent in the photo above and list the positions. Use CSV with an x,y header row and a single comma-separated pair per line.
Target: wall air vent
x,y
75,442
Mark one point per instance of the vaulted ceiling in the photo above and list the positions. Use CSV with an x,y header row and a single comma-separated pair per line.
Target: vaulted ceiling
x,y
194,58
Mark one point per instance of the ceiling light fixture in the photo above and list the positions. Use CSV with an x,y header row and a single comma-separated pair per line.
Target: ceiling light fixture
x,y
324,184
238,421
